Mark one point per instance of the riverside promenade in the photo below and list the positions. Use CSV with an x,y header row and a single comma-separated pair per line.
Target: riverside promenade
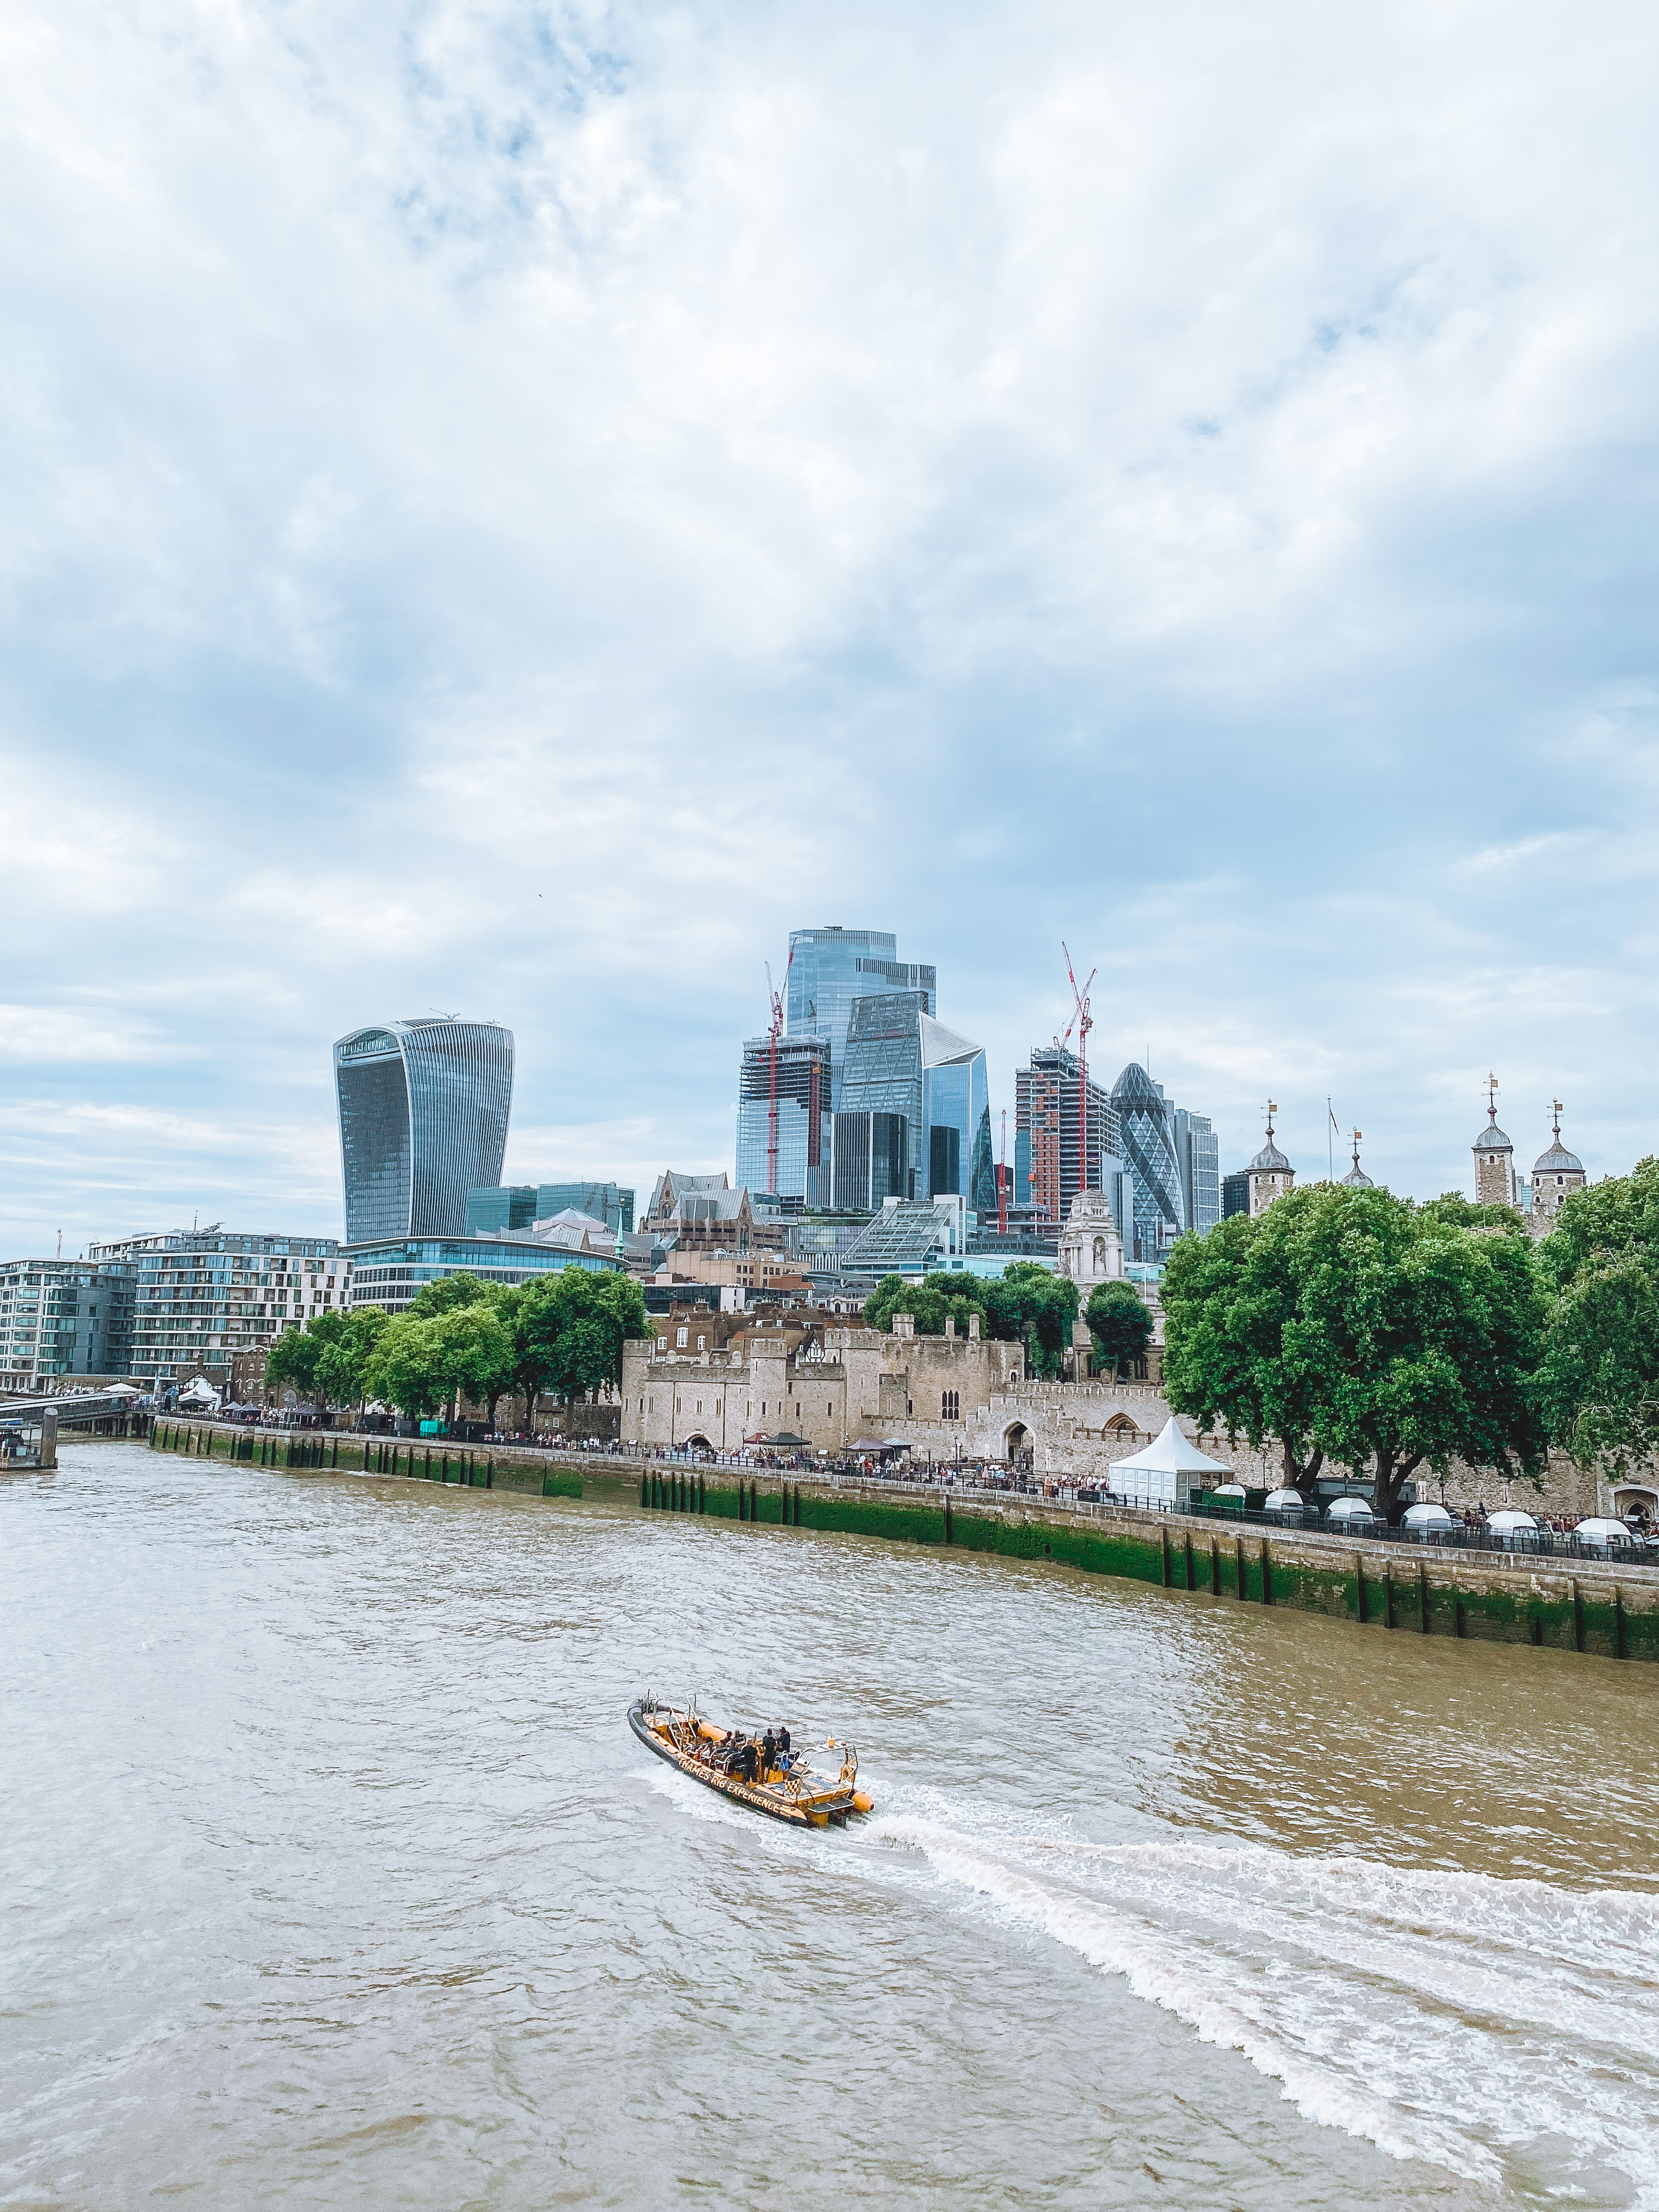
x,y
1601,1609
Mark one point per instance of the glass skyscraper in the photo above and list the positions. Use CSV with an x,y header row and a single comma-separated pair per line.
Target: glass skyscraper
x,y
423,1112
804,1071
956,1114
882,1076
1147,1124
829,969
1200,1169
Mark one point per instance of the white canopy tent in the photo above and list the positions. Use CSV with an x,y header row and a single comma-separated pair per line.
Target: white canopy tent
x,y
1162,1473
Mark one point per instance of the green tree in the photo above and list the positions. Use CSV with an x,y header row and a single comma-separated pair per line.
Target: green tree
x,y
298,1358
342,1369
1227,1299
1120,1324
473,1353
929,1302
1357,1328
449,1291
1598,1382
568,1330
1030,1305
406,1367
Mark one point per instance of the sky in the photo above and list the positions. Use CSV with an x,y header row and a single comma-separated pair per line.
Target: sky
x,y
509,509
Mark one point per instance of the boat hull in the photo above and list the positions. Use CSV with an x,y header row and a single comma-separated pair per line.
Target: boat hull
x,y
808,1801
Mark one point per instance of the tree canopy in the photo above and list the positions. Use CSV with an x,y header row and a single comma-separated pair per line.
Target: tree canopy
x,y
1026,1305
1598,1382
569,1331
1357,1328
298,1360
1120,1324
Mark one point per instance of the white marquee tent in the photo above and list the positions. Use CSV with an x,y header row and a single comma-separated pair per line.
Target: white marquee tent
x,y
1162,1473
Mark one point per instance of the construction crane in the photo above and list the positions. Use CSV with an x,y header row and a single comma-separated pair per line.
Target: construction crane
x,y
1085,1021
772,1109
1002,1180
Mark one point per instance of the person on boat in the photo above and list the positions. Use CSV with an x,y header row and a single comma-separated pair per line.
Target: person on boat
x,y
769,1755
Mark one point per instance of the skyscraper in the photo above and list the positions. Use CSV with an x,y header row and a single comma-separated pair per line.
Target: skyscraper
x,y
423,1111
1147,1122
881,1075
804,1069
1047,1134
1200,1159
830,967
956,1114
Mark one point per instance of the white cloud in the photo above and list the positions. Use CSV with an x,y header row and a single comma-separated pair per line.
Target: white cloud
x,y
1179,482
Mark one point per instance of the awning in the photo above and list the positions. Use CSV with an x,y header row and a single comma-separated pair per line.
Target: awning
x,y
880,1445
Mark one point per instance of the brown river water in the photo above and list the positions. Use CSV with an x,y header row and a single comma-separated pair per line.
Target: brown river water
x,y
333,1876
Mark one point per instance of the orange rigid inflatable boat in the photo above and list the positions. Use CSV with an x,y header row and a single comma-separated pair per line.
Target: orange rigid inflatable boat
x,y
727,1760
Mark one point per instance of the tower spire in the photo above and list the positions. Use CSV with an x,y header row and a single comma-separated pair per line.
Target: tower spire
x,y
1356,1151
1491,1098
1556,1103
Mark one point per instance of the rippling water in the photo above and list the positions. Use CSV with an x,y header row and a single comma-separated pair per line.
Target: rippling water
x,y
333,1876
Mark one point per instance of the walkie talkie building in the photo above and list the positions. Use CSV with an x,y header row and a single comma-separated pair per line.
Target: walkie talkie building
x,y
423,1113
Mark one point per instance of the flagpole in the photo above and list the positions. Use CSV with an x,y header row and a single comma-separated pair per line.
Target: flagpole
x,y
1330,1157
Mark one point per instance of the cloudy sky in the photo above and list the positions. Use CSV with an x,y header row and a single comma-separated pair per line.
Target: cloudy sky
x,y
509,508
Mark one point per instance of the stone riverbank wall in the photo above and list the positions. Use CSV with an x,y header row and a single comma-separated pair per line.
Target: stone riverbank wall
x,y
1578,1605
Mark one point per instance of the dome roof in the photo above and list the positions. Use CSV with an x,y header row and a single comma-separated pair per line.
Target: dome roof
x,y
1491,1140
1270,1157
1357,1179
1556,1161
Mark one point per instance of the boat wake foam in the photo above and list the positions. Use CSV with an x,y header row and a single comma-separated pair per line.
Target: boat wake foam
x,y
1507,2031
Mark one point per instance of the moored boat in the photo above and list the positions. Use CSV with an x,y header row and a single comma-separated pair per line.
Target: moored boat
x,y
738,1766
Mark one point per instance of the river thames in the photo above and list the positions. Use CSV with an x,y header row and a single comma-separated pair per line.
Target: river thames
x,y
333,1875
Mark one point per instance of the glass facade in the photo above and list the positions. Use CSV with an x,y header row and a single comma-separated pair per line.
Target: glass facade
x,y
882,1073
608,1202
1146,1125
803,1086
423,1112
1200,1156
956,1107
392,1272
199,1296
870,1161
829,969
62,1318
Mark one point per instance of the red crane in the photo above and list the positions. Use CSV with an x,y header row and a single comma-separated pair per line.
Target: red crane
x,y
1002,1180
771,1110
1085,1021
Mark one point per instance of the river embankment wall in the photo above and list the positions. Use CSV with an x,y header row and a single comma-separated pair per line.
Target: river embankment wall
x,y
1605,1611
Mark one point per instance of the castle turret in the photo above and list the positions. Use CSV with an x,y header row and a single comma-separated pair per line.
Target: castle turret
x,y
1555,1173
1357,1178
1494,1158
1270,1173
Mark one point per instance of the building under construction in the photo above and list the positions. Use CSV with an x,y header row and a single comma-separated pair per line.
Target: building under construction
x,y
803,1112
1048,1133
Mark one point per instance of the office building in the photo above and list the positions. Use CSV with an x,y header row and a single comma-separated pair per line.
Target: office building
x,y
423,1111
803,1078
200,1297
518,1205
1235,1194
1146,1122
62,1318
393,1271
831,969
1199,1156
956,1112
1048,1133
881,1084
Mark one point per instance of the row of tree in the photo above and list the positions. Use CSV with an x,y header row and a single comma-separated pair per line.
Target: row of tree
x,y
560,1336
1358,1330
1026,1305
